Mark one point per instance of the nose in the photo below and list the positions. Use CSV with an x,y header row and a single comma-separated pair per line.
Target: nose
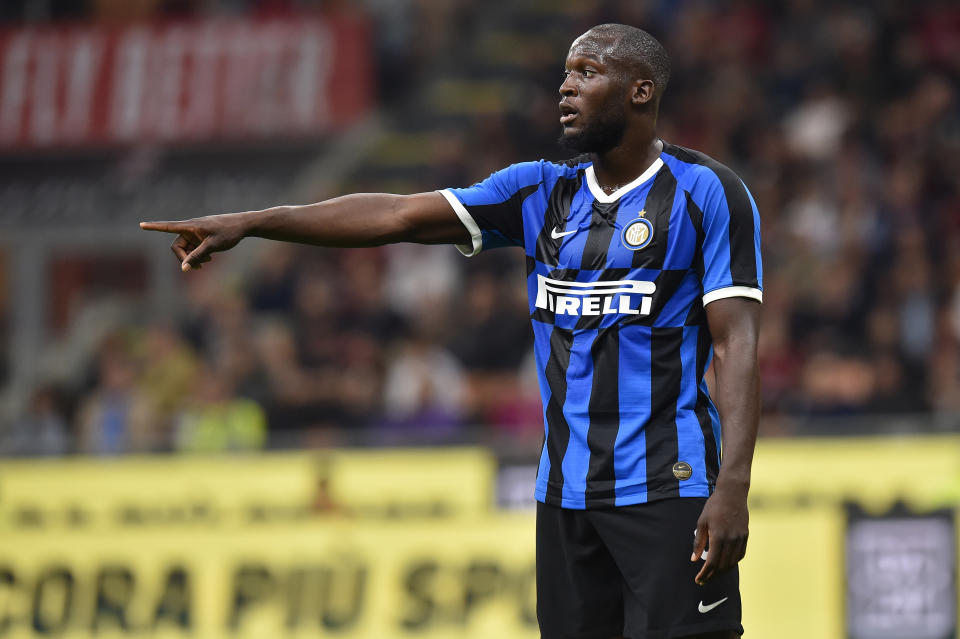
x,y
568,87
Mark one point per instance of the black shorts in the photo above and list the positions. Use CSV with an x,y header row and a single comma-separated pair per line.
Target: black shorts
x,y
627,571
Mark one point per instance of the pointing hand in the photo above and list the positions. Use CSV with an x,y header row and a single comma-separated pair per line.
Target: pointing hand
x,y
199,237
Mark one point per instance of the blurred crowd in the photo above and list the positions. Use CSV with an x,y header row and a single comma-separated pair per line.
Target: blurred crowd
x,y
310,347
843,119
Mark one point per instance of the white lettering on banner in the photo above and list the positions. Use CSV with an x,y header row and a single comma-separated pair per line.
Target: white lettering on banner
x,y
594,298
84,59
129,75
310,72
48,86
180,81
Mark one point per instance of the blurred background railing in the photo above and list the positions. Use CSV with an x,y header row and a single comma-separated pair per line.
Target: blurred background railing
x,y
842,117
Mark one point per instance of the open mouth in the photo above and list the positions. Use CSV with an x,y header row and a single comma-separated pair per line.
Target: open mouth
x,y
567,113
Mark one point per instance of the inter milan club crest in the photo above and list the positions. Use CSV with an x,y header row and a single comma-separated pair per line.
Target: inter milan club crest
x,y
638,233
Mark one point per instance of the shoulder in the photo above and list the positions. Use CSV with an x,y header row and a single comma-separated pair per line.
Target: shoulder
x,y
697,169
706,179
538,172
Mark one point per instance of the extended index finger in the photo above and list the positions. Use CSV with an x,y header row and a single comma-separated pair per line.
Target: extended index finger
x,y
168,227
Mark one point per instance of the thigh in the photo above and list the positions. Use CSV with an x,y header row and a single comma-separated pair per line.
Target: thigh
x,y
651,545
579,594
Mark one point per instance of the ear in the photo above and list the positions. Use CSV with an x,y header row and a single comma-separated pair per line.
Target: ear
x,y
642,92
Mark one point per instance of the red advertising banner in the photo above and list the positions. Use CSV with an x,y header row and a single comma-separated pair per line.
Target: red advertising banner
x,y
182,81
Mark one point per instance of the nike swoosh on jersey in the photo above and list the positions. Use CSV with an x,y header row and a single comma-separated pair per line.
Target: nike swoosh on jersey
x,y
555,234
703,608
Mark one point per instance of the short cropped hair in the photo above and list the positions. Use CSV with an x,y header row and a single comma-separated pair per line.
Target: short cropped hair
x,y
636,46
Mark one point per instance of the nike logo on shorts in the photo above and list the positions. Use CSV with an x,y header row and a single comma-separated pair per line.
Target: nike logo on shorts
x,y
703,608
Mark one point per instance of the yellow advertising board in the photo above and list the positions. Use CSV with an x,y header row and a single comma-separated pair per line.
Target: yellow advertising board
x,y
387,544
328,577
230,491
872,471
335,577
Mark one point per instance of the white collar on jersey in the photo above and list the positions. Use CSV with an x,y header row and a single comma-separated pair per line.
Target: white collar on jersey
x,y
603,198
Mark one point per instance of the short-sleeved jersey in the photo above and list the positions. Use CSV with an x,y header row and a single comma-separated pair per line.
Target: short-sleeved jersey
x,y
617,288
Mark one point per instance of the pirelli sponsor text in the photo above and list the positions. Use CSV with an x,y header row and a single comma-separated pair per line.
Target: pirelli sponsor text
x,y
620,297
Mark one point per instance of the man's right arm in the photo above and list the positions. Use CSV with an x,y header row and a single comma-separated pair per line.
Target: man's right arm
x,y
366,219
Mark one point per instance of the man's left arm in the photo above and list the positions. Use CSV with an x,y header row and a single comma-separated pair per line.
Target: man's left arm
x,y
723,525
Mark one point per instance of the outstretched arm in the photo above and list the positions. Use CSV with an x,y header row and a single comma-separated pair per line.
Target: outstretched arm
x,y
366,219
734,324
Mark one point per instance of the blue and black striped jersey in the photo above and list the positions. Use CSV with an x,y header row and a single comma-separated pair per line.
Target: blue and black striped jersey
x,y
617,287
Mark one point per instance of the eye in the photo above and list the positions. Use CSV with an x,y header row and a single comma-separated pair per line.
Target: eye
x,y
588,73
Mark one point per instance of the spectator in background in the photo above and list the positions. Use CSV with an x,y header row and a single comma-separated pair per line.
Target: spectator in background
x,y
298,398
273,283
314,321
168,370
360,381
118,416
216,420
424,389
363,305
43,430
491,341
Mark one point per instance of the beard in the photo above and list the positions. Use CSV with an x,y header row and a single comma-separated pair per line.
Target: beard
x,y
600,134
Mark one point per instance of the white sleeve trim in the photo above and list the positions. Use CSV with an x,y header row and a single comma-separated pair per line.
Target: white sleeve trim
x,y
476,244
733,291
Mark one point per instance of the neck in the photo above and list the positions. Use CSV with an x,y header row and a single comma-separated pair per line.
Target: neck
x,y
627,161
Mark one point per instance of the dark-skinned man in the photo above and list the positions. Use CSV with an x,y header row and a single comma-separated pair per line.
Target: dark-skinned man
x,y
643,266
